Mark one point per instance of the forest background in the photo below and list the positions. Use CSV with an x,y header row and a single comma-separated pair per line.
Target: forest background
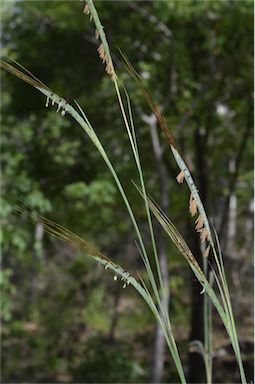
x,y
64,319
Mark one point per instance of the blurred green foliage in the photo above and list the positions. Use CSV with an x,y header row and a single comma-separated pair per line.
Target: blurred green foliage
x,y
108,363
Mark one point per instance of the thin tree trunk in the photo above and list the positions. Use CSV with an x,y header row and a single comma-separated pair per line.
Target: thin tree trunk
x,y
157,368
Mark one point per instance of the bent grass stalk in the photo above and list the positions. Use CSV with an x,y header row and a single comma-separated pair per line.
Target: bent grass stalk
x,y
58,231
162,315
195,202
202,226
105,55
180,243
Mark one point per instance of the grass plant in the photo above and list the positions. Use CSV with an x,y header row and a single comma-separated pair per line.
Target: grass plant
x,y
152,291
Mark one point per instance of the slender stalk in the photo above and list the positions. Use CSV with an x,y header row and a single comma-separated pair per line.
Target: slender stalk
x,y
205,229
84,123
109,64
106,56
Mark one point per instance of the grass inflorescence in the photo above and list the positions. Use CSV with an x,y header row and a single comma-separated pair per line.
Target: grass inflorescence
x,y
152,291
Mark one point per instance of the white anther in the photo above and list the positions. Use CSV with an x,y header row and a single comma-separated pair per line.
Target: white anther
x,y
59,106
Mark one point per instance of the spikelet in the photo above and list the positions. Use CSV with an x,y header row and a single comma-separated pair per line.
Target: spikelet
x,y
103,49
180,177
110,70
192,205
105,59
102,53
206,253
199,223
203,234
86,9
